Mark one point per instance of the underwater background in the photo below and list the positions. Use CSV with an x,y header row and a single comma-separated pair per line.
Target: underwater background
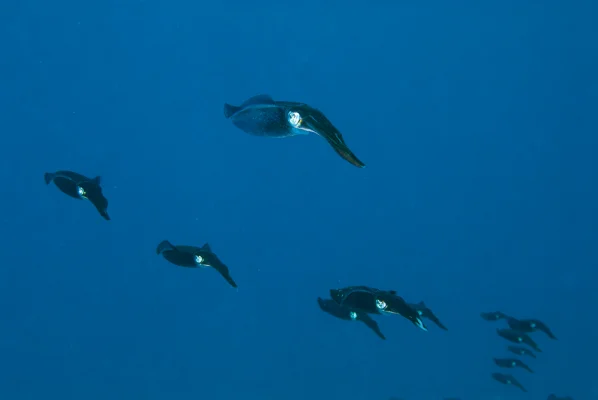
x,y
476,120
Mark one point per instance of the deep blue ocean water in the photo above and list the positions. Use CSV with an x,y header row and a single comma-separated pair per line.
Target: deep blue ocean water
x,y
477,122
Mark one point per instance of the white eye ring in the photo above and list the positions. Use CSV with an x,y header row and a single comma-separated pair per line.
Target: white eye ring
x,y
198,259
295,119
381,304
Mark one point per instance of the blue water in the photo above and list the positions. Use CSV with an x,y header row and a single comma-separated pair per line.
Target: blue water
x,y
477,123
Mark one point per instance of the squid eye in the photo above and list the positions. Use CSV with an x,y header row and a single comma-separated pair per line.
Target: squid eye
x,y
295,119
381,304
198,259
81,191
353,315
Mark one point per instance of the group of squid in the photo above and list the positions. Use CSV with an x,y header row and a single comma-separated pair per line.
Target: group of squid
x,y
518,332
